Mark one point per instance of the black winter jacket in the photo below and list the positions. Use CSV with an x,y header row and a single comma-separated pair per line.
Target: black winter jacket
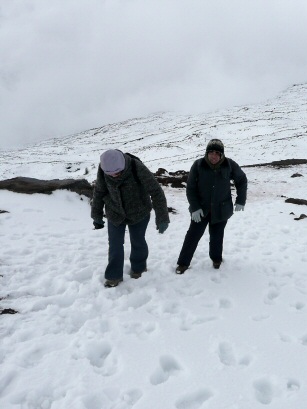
x,y
209,189
125,199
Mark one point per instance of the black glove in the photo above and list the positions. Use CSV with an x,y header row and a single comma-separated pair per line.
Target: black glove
x,y
162,227
98,225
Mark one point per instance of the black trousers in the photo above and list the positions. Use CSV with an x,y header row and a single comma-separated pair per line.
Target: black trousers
x,y
195,233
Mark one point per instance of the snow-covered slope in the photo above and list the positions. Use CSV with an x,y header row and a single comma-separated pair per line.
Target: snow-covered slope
x,y
273,130
234,338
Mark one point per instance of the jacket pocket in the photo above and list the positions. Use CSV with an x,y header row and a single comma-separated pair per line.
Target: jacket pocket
x,y
226,208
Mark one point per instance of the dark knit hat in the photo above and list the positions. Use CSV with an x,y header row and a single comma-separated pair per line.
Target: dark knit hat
x,y
215,145
112,161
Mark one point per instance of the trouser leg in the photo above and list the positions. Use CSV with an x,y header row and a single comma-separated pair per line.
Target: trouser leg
x,y
115,267
139,247
216,232
192,237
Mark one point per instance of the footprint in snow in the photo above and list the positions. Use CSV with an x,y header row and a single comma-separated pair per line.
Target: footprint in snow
x,y
293,385
299,305
303,340
271,296
166,310
194,400
94,401
168,367
217,278
171,308
99,355
97,352
121,399
264,390
226,354
137,300
260,317
225,303
228,357
139,329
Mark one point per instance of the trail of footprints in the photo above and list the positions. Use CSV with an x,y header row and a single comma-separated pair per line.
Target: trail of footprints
x,y
168,367
104,360
266,389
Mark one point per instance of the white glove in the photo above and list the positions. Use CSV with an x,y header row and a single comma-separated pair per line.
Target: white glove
x,y
239,207
197,215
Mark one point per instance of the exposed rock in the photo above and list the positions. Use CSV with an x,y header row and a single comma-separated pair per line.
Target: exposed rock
x,y
180,177
296,201
80,186
160,172
31,185
296,175
280,163
8,311
176,179
302,216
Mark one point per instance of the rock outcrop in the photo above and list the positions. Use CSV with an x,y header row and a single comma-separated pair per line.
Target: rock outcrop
x,y
32,185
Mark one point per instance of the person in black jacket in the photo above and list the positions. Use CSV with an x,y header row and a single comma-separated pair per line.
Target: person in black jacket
x,y
209,195
125,193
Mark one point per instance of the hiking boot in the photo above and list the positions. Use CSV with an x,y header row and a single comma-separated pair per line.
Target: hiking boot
x,y
216,264
112,283
135,275
181,269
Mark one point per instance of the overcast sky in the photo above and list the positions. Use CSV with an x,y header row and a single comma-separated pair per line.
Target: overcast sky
x,y
70,65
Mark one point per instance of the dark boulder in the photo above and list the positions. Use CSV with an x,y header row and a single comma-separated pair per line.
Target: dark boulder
x,y
8,311
296,201
302,216
32,185
176,179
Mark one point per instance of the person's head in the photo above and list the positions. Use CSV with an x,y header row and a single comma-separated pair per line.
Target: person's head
x,y
112,162
215,151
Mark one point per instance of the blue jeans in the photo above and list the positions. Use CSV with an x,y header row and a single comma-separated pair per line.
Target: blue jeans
x,y
195,233
139,248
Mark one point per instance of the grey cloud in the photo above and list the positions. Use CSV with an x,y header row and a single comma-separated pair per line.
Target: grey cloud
x,y
69,66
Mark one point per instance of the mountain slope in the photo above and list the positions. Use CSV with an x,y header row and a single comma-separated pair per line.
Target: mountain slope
x,y
270,131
